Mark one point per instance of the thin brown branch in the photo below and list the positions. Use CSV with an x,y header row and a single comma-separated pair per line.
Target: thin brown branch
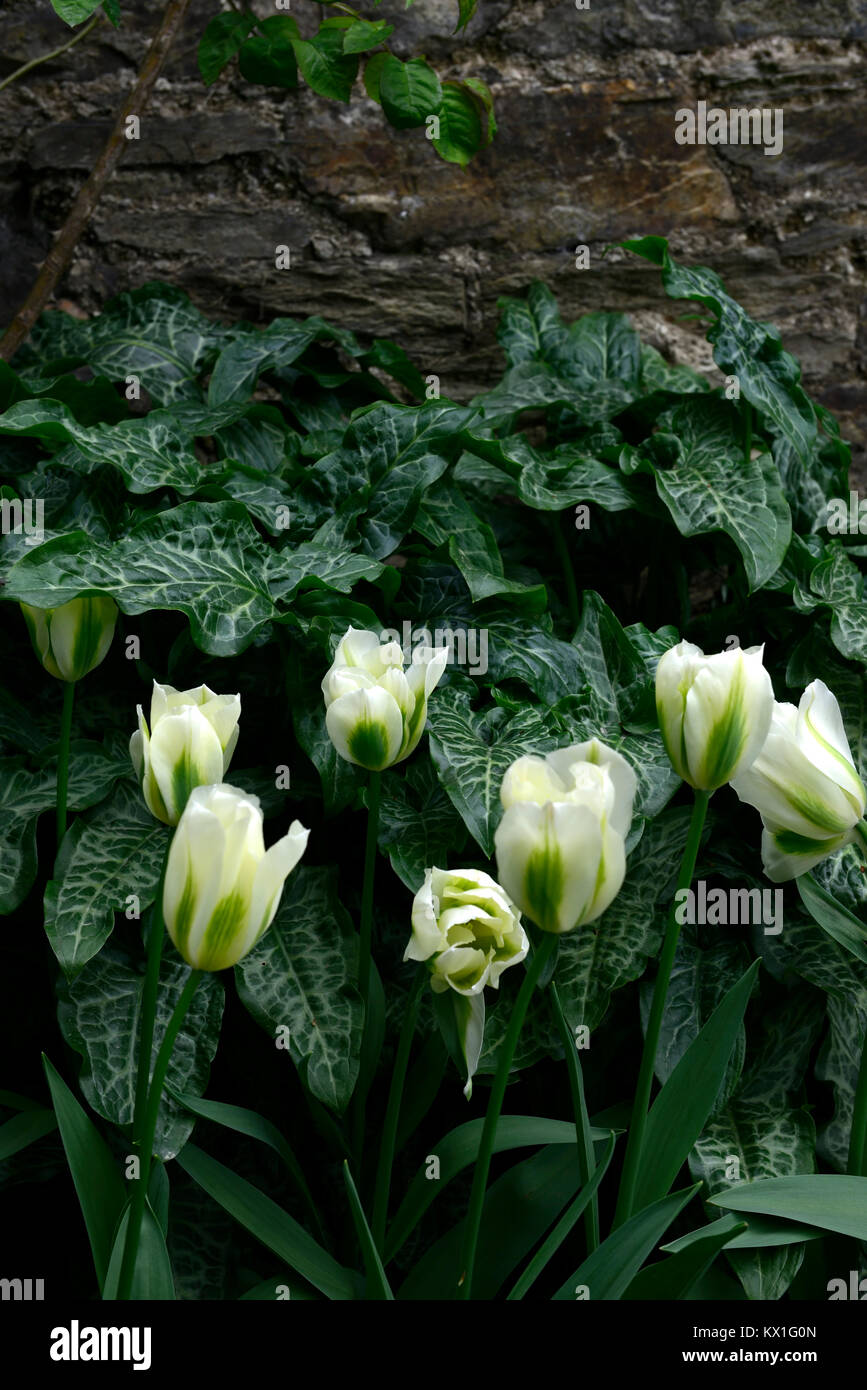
x,y
59,256
55,53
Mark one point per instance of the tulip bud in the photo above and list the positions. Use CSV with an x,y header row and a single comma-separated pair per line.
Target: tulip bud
x,y
222,887
467,929
805,786
560,844
714,711
74,638
375,712
190,744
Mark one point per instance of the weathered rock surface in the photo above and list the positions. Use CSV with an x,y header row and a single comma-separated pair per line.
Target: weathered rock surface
x,y
387,239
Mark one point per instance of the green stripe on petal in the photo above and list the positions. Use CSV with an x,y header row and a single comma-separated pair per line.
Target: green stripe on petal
x,y
227,920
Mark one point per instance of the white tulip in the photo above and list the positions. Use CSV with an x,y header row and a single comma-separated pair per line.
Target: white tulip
x,y
467,927
376,711
190,743
560,844
714,711
805,786
74,638
222,887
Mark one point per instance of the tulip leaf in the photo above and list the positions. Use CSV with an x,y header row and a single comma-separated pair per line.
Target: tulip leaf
x,y
25,1129
152,1276
676,1277
100,1015
265,1220
26,792
95,1173
299,984
109,857
376,1276
753,1233
678,1114
832,917
565,1225
248,1122
418,825
458,1149
519,1208
608,1272
767,376
472,749
831,1201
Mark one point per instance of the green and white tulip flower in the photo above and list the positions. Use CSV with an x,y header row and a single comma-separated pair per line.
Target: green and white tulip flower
x,y
376,711
805,786
222,887
560,845
190,743
714,711
469,931
73,639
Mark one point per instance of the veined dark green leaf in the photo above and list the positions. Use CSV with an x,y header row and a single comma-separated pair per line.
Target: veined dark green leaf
x,y
94,1172
113,855
269,1224
419,827
268,58
301,978
832,917
364,34
460,127
221,41
100,1016
324,66
768,376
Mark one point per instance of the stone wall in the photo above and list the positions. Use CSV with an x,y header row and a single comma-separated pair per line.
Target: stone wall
x,y
389,240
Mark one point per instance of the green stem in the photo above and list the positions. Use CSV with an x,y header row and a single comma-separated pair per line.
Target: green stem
x,y
364,954
156,937
856,1167
495,1103
586,1156
55,53
568,572
638,1122
63,757
137,1205
392,1114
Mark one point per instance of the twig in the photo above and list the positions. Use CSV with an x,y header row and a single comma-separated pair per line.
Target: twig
x,y
60,254
55,53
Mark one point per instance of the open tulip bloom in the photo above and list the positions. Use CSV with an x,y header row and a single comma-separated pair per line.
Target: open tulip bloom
x,y
190,743
714,711
805,786
376,711
561,842
469,931
222,886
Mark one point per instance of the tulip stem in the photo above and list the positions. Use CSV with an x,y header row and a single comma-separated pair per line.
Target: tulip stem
x,y
137,1204
156,936
856,1166
489,1133
364,953
632,1160
586,1156
392,1114
63,757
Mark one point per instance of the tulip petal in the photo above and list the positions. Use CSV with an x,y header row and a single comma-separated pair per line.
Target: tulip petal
x,y
185,753
366,728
